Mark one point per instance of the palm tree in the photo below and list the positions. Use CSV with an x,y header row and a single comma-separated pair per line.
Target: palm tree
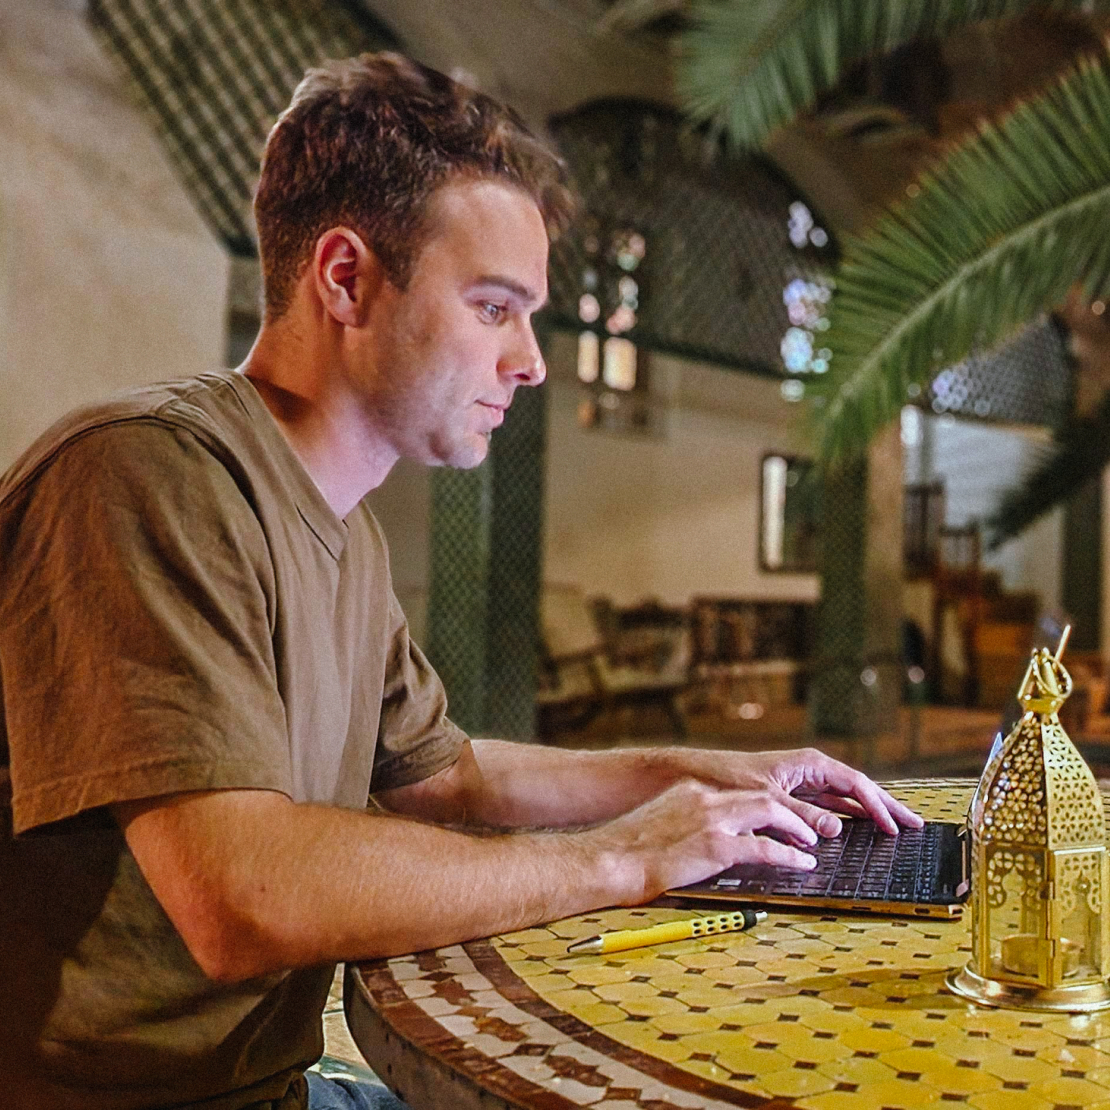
x,y
998,229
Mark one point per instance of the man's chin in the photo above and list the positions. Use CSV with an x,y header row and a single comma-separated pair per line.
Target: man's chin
x,y
466,456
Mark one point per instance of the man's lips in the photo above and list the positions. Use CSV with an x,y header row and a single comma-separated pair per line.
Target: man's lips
x,y
498,409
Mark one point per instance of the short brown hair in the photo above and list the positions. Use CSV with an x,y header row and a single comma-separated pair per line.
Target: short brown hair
x,y
364,143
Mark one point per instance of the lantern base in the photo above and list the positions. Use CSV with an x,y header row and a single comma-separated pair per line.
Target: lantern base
x,y
1079,999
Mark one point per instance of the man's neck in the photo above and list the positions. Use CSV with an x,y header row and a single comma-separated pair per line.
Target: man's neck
x,y
306,394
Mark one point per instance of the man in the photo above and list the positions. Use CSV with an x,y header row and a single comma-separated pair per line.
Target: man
x,y
206,678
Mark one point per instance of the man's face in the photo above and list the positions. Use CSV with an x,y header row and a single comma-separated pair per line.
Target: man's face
x,y
448,353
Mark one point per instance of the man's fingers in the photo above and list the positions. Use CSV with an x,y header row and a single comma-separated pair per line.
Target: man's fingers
x,y
902,813
884,810
779,815
887,812
815,813
849,807
765,850
870,797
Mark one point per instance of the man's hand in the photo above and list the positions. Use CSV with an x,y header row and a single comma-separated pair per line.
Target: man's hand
x,y
812,777
692,831
501,784
758,808
248,878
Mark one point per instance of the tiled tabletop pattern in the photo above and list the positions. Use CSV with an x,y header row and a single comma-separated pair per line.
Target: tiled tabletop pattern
x,y
815,1011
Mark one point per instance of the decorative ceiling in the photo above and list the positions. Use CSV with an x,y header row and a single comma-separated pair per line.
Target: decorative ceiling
x,y
213,75
716,284
683,250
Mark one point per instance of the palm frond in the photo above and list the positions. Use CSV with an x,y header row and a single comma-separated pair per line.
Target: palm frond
x,y
631,15
1081,449
750,66
1008,223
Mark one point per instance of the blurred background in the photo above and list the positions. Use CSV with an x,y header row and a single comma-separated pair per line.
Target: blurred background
x,y
823,449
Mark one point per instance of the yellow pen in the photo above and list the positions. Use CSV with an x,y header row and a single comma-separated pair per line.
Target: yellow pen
x,y
671,930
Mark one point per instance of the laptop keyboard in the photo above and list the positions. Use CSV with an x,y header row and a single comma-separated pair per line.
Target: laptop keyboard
x,y
860,863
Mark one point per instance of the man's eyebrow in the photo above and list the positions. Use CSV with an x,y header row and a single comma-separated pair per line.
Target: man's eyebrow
x,y
518,289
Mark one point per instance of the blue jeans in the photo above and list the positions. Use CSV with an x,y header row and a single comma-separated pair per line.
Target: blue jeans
x,y
349,1094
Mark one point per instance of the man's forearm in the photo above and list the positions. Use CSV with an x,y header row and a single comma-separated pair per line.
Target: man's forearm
x,y
511,785
271,885
501,784
255,883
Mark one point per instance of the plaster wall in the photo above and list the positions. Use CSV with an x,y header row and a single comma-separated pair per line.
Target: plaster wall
x,y
672,516
107,276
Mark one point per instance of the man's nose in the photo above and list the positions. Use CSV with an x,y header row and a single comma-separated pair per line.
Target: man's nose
x,y
524,362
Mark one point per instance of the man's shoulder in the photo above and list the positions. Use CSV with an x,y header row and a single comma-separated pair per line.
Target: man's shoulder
x,y
202,407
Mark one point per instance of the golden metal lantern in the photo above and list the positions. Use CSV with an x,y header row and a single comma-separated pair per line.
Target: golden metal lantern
x,y
1040,877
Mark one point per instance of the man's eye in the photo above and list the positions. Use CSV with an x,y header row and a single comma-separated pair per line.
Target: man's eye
x,y
491,312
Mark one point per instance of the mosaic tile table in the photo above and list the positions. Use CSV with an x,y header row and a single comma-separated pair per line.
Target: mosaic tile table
x,y
807,1010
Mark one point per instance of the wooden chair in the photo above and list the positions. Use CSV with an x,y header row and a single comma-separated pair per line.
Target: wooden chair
x,y
583,674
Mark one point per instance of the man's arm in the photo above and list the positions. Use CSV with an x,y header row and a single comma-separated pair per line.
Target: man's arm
x,y
508,785
255,883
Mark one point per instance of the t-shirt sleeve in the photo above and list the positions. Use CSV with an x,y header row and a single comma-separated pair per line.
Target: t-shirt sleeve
x,y
135,628
415,737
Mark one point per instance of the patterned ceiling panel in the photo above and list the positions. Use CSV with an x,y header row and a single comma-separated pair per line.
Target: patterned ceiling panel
x,y
674,253
1027,380
214,74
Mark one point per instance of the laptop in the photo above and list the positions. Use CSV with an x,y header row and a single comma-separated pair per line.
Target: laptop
x,y
920,872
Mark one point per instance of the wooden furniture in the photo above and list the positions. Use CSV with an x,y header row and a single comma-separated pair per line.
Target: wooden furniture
x,y
609,661
817,1011
749,653
922,519
978,634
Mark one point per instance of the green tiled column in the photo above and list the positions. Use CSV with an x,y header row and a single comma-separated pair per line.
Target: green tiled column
x,y
486,566
857,681
1081,573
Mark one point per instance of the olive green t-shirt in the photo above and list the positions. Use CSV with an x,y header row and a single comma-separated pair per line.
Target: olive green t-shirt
x,y
180,609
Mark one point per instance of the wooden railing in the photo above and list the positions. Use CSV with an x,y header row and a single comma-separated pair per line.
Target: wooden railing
x,y
922,521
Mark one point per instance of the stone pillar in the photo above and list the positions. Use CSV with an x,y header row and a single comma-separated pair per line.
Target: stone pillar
x,y
1081,572
1104,577
486,572
857,681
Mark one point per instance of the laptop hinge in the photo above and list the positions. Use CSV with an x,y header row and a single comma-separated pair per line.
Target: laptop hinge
x,y
963,834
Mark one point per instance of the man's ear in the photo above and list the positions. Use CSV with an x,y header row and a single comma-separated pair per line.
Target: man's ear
x,y
347,275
